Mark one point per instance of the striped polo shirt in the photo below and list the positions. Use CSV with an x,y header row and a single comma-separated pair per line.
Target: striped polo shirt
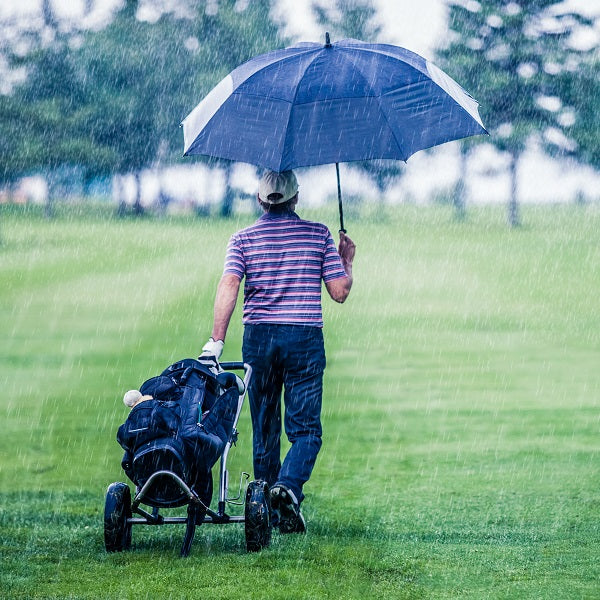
x,y
284,259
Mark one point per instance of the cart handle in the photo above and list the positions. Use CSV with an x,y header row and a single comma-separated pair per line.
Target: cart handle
x,y
232,366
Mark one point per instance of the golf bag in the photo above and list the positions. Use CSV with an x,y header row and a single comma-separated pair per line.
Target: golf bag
x,y
183,428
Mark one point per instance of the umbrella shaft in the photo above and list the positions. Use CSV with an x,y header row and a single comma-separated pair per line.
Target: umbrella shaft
x,y
337,170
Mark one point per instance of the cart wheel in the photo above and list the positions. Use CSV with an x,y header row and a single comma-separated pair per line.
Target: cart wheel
x,y
117,509
257,517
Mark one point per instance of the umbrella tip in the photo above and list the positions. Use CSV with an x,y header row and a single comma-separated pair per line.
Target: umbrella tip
x,y
327,40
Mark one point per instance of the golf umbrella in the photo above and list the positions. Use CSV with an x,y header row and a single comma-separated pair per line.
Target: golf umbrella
x,y
314,104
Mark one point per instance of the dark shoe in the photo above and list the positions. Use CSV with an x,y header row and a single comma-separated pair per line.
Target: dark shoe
x,y
287,510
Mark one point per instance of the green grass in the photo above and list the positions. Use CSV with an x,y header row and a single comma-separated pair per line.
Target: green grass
x,y
461,409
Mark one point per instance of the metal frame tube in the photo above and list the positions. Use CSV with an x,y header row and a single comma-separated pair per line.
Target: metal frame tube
x,y
182,484
223,473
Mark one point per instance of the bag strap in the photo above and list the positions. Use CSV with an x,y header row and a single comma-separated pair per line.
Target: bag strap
x,y
188,366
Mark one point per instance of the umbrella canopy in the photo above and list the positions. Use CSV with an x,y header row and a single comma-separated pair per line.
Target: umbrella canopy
x,y
314,104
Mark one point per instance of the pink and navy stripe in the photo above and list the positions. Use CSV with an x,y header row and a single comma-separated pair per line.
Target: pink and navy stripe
x,y
284,259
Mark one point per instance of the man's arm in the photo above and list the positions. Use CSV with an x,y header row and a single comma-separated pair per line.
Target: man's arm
x,y
225,301
339,289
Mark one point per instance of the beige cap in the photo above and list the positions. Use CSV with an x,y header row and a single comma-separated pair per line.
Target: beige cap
x,y
276,188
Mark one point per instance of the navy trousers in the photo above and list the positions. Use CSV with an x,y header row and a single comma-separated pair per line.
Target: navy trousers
x,y
289,357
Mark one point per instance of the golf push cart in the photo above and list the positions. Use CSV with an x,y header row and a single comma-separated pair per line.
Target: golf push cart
x,y
170,449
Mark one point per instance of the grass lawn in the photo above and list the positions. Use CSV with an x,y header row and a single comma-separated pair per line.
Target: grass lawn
x,y
461,410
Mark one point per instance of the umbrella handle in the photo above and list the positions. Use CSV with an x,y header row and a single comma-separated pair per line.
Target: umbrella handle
x,y
337,170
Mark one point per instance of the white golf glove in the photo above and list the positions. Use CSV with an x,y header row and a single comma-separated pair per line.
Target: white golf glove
x,y
211,352
212,348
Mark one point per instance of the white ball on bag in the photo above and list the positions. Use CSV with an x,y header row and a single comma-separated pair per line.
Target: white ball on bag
x,y
131,397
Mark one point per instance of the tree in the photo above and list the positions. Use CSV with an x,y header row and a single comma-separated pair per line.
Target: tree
x,y
112,103
41,120
229,36
349,19
500,50
145,77
136,76
580,91
41,112
357,19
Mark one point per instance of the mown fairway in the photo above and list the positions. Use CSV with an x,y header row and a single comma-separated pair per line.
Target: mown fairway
x,y
461,411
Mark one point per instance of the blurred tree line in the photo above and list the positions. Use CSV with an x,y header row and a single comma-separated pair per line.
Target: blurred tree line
x,y
109,101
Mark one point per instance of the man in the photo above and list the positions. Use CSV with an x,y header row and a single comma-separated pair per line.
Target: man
x,y
284,259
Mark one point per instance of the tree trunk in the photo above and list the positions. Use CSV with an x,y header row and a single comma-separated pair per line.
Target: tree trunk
x,y
120,196
460,189
48,14
49,204
227,207
138,209
514,219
